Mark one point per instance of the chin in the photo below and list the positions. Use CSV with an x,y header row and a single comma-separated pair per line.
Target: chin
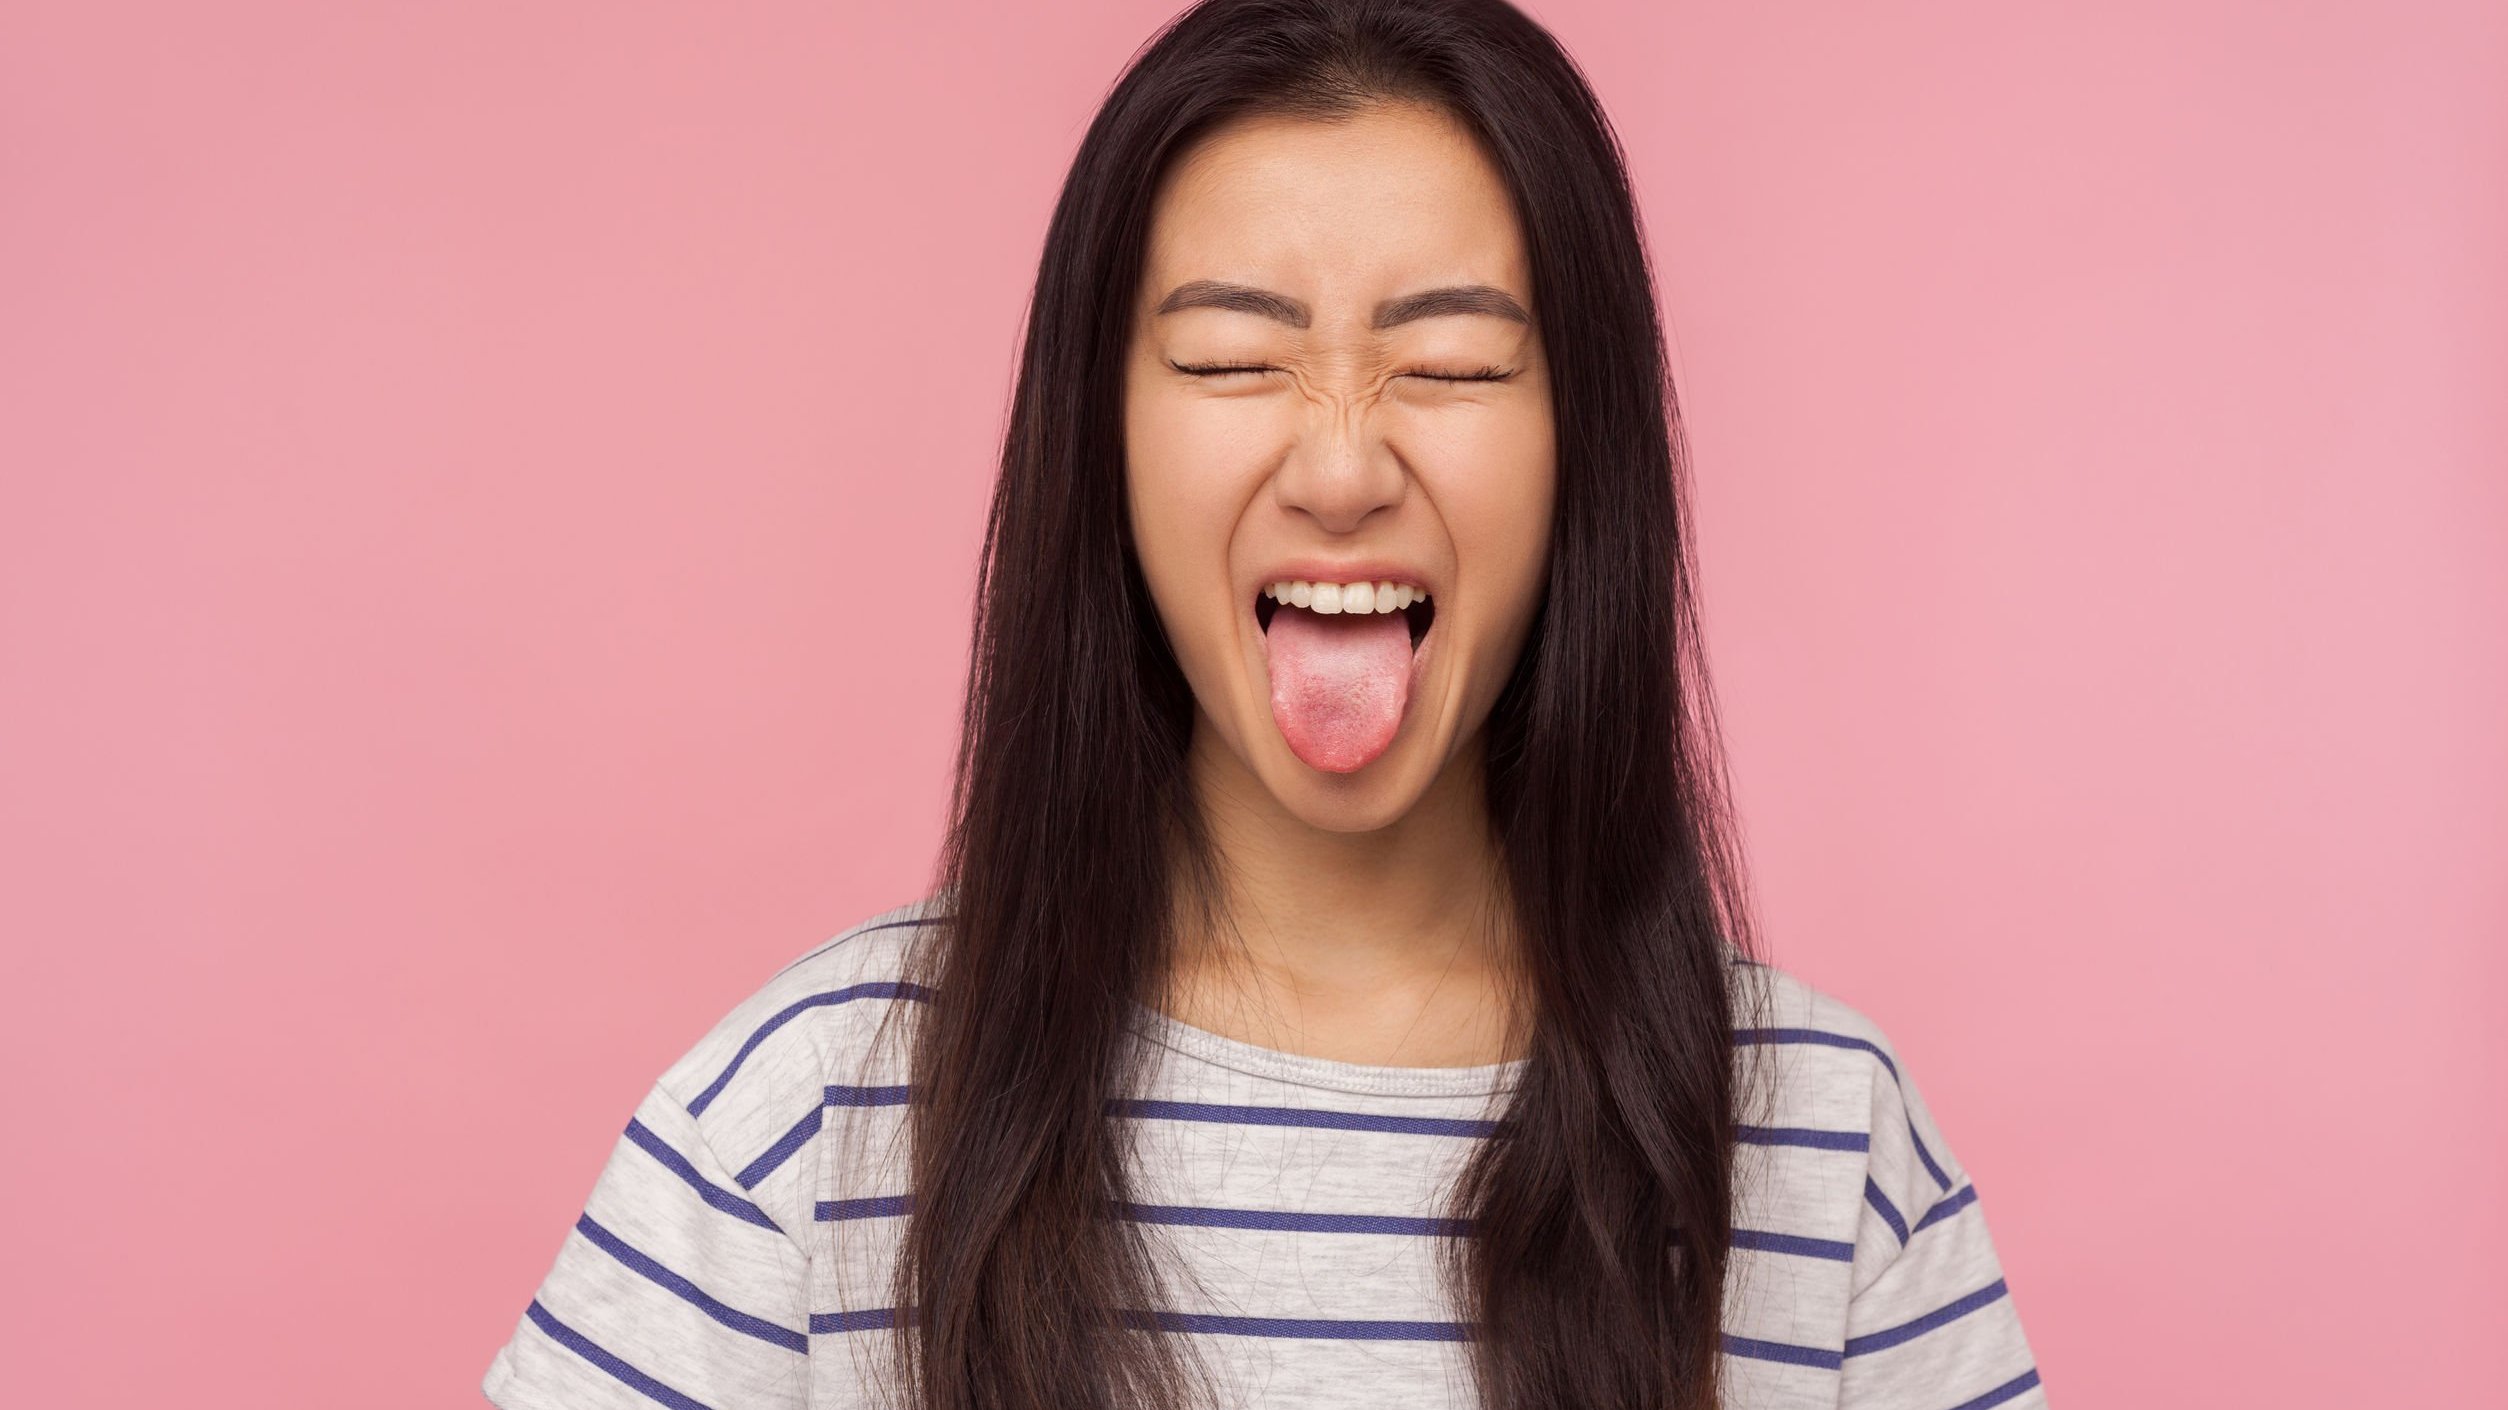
x,y
1365,799
1362,802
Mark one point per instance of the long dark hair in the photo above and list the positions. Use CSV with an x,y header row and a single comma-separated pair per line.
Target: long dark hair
x,y
1599,1217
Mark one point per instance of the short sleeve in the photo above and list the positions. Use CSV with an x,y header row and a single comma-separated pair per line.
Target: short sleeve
x,y
1931,1323
676,1287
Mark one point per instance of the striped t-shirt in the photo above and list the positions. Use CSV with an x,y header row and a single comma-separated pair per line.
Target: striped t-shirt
x,y
735,1251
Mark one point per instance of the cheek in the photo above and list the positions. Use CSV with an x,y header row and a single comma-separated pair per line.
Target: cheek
x,y
1498,504
1182,498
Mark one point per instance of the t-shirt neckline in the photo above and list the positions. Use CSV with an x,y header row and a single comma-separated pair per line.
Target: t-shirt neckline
x,y
1330,1074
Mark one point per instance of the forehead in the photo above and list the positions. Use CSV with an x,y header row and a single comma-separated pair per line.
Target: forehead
x,y
1398,195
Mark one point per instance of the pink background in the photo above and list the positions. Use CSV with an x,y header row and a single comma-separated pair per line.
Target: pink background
x,y
487,530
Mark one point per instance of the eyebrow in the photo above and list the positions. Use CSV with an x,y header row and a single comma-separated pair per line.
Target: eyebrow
x,y
1428,303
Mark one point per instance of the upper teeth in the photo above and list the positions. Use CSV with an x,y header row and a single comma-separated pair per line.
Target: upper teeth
x,y
1344,597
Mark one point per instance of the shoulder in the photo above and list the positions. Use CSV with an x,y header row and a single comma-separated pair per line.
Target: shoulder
x,y
1819,1071
822,1022
1863,1246
692,1262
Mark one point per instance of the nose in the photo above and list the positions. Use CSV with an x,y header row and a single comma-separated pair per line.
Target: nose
x,y
1339,472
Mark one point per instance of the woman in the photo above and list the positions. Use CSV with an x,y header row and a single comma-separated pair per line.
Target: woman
x,y
1336,990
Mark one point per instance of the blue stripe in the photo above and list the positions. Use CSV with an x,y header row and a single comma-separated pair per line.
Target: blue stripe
x,y
1205,1217
1208,1324
2024,1381
1214,1217
1803,1136
1951,1204
1149,1109
775,1155
689,1292
1889,1212
1767,1242
1746,1037
1821,1038
1313,1328
1785,1352
707,1190
877,989
869,1207
1154,1110
869,1319
869,1096
1338,1329
1940,1316
1932,1167
865,930
598,1355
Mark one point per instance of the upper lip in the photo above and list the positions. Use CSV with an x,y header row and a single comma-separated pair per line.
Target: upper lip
x,y
1320,570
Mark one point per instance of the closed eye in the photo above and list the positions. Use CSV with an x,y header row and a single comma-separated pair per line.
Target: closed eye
x,y
1217,369
1486,374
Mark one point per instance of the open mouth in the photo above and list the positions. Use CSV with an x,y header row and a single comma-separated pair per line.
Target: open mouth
x,y
1416,617
1341,682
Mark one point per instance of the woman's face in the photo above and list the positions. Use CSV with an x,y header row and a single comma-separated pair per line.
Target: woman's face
x,y
1392,425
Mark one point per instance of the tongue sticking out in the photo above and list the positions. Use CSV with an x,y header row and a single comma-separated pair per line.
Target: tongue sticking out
x,y
1338,683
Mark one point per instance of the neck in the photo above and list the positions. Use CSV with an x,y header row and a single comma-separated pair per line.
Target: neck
x,y
1388,945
